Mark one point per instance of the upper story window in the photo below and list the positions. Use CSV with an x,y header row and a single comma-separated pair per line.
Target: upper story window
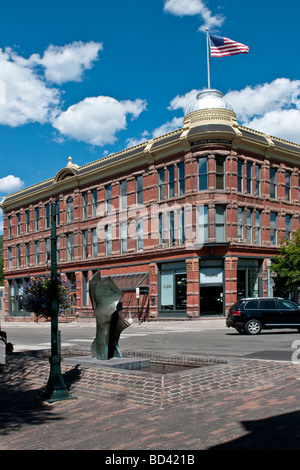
x,y
123,195
220,173
202,226
257,176
94,202
27,254
139,189
107,190
240,223
171,181
18,256
287,186
58,249
273,228
273,183
10,258
9,219
249,178
249,227
57,213
220,223
94,243
108,239
140,234
258,227
288,227
19,224
70,246
37,218
202,174
181,178
85,205
37,253
85,244
48,249
70,210
47,215
161,184
240,176
123,237
27,221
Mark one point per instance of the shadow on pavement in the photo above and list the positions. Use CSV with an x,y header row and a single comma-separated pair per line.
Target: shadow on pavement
x,y
280,432
19,403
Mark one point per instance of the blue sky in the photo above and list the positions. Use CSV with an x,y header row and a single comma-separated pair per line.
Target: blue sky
x,y
87,79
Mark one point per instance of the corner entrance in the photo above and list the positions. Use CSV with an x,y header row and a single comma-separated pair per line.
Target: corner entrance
x,y
211,300
211,287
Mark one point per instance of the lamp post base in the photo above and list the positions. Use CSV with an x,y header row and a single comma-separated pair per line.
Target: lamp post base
x,y
56,389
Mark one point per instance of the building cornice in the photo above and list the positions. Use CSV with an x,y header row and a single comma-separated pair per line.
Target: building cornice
x,y
208,132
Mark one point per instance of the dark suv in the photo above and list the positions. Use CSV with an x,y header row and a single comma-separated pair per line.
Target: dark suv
x,y
252,315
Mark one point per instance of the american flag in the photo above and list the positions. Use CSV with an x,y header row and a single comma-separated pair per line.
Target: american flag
x,y
220,47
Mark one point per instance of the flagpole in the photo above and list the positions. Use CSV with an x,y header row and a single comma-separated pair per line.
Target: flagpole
x,y
208,68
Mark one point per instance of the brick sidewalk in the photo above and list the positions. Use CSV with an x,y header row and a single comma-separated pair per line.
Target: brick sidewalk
x,y
239,404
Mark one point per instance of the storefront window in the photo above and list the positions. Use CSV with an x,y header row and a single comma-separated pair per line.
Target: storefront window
x,y
248,281
173,289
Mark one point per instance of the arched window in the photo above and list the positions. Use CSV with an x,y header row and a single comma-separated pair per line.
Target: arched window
x,y
70,210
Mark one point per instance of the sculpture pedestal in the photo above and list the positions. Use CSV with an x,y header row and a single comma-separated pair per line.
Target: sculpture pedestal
x,y
115,362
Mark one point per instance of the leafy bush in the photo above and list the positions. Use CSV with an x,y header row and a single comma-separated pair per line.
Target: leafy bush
x,y
37,296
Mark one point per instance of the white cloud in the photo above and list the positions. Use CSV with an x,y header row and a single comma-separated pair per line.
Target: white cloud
x,y
25,94
273,108
10,184
191,8
27,97
167,127
96,120
183,101
280,94
284,124
67,63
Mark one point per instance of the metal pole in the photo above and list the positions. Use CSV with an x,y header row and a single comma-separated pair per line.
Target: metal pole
x,y
269,277
56,388
208,68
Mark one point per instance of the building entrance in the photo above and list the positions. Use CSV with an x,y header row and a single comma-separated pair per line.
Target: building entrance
x,y
211,287
211,300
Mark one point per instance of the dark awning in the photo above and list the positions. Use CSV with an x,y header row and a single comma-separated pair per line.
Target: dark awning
x,y
130,281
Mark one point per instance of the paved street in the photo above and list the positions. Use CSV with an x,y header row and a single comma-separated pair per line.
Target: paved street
x,y
234,401
204,336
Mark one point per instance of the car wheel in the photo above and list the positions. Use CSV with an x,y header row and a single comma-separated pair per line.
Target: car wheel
x,y
253,327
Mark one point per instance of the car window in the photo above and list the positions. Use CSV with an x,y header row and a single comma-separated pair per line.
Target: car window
x,y
251,305
237,305
287,305
267,304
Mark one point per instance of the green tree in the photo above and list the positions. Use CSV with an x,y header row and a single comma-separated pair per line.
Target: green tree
x,y
287,265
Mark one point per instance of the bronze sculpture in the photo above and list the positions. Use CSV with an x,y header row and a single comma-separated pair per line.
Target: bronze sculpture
x,y
105,297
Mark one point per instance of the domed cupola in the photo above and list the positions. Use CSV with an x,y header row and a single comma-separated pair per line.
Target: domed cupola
x,y
209,106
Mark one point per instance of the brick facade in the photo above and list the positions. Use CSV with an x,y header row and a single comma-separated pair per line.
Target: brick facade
x,y
195,250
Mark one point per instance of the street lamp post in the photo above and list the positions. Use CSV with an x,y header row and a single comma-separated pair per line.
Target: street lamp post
x,y
56,388
268,263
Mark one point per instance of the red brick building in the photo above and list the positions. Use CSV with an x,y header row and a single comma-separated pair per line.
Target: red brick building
x,y
189,219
